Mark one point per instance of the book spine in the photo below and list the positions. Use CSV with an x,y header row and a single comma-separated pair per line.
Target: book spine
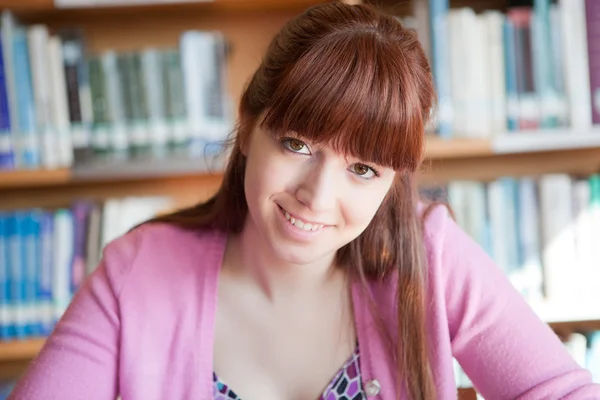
x,y
32,257
117,106
99,140
80,212
175,100
510,68
542,64
59,105
438,13
46,273
63,258
42,90
17,275
6,147
154,87
592,12
577,74
4,278
29,154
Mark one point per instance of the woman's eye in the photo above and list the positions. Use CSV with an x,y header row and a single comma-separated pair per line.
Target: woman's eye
x,y
363,171
296,146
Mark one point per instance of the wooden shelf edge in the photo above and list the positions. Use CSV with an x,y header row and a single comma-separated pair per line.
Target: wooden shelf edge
x,y
15,350
112,172
444,150
438,148
29,178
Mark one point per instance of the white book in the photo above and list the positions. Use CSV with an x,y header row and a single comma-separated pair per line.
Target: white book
x,y
457,73
63,252
194,50
111,221
135,210
585,287
468,202
558,62
498,225
480,79
576,68
531,272
497,76
42,92
558,240
59,108
458,202
576,345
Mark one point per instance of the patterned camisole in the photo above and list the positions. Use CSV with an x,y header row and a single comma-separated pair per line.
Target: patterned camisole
x,y
345,385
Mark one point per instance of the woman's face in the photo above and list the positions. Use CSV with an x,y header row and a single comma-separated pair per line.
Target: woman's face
x,y
306,202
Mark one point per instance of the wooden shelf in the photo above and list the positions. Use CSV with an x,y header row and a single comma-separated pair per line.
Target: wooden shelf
x,y
445,160
439,149
576,326
20,349
521,154
111,172
33,178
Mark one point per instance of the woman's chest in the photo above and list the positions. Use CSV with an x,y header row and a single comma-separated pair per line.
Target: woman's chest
x,y
295,352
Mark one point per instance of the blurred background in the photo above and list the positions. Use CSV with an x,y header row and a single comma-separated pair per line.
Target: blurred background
x,y
112,111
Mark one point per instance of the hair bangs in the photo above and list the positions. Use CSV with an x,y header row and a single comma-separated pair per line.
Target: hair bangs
x,y
349,92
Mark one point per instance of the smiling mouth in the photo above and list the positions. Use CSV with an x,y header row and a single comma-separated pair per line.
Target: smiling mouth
x,y
298,223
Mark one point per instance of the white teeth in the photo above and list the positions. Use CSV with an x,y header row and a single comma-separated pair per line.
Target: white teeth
x,y
302,225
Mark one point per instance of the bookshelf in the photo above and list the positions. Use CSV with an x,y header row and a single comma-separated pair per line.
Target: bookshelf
x,y
248,26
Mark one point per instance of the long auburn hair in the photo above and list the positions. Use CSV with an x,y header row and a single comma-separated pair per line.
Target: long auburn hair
x,y
354,78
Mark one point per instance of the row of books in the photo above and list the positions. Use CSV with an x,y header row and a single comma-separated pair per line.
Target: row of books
x,y
531,68
46,254
544,232
60,105
584,348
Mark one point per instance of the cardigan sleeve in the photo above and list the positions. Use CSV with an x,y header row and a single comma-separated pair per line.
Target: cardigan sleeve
x,y
80,358
507,351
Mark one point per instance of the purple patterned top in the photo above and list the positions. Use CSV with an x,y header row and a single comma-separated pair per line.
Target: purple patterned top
x,y
345,385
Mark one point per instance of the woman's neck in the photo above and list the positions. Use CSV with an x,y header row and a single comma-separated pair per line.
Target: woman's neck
x,y
248,257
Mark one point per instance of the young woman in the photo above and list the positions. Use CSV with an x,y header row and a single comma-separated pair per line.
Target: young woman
x,y
314,272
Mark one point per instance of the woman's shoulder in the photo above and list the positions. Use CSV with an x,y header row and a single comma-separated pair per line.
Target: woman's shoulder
x,y
160,246
435,218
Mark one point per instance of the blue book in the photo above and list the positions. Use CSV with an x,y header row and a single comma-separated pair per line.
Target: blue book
x,y
31,248
19,274
6,147
440,59
29,154
14,273
4,334
510,69
46,265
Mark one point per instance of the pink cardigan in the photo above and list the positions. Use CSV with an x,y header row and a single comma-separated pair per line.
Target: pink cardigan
x,y
142,326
